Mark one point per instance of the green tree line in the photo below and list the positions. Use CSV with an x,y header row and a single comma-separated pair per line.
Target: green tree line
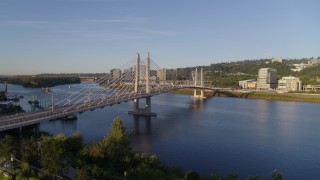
x,y
39,81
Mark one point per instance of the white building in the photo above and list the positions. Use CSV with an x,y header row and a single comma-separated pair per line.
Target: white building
x,y
115,73
277,60
289,84
313,61
247,84
267,79
299,67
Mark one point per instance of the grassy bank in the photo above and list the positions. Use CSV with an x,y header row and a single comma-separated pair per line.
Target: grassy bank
x,y
301,97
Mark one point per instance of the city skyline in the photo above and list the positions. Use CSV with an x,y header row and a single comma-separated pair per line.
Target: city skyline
x,y
95,36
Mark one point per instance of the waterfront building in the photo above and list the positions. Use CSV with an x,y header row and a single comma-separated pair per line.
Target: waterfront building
x,y
267,79
248,84
311,87
252,85
289,84
167,74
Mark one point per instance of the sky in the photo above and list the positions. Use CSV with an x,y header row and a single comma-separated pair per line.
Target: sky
x,y
94,36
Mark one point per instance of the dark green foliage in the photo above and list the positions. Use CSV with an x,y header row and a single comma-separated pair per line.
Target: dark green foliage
x,y
310,75
3,96
53,154
276,175
216,175
74,145
29,150
8,147
192,175
12,109
83,174
36,81
146,166
253,178
26,172
111,155
232,176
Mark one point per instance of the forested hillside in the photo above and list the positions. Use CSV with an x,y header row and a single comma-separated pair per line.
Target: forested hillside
x,y
228,74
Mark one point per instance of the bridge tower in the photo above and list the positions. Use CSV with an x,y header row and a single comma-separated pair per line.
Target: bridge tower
x,y
196,84
147,110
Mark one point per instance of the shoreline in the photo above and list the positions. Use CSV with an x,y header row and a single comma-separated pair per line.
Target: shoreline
x,y
294,97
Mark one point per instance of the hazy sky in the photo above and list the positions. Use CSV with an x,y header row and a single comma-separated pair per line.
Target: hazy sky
x,y
59,36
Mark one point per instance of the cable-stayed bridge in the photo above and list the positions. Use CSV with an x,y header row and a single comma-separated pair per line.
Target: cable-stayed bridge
x,y
135,81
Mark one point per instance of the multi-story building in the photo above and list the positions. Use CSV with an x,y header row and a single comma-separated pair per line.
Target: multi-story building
x,y
167,74
248,84
277,60
289,84
299,67
115,73
267,79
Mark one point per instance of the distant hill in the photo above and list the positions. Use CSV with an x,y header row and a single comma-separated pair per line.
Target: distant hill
x,y
229,73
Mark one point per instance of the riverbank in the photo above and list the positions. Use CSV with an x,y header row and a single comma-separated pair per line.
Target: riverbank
x,y
39,81
299,97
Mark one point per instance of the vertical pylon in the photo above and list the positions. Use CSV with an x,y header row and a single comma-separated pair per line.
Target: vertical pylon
x,y
148,99
136,82
147,73
195,82
201,79
147,110
195,77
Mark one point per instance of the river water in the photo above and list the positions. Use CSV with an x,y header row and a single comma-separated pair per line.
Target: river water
x,y
231,135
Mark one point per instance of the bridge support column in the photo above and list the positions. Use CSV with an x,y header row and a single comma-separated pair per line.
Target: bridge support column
x,y
201,79
147,110
196,84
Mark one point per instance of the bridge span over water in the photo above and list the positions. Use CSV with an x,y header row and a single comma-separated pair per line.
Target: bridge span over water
x,y
134,82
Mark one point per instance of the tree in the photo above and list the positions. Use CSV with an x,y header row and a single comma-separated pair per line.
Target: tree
x,y
74,145
276,175
232,176
192,175
8,146
253,178
83,174
29,150
52,154
3,96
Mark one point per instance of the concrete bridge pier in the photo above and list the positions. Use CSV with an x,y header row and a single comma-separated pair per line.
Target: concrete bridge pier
x,y
195,95
146,111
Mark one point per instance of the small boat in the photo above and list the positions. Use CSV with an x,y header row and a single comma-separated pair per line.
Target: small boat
x,y
46,90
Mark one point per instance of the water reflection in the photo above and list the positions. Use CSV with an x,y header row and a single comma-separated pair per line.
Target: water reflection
x,y
137,126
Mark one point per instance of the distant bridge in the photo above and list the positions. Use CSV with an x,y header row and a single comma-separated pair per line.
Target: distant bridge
x,y
132,83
